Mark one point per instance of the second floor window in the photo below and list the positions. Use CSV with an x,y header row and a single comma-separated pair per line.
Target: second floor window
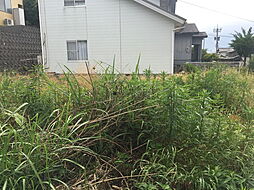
x,y
74,2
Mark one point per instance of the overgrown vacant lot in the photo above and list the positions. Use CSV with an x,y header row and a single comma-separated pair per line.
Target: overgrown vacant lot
x,y
191,132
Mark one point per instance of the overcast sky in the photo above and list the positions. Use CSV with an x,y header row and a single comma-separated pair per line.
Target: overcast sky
x,y
207,20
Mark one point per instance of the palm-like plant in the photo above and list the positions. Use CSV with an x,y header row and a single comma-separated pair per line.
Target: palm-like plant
x,y
243,43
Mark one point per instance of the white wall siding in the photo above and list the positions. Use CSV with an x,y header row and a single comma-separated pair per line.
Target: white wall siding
x,y
113,28
103,32
146,33
62,24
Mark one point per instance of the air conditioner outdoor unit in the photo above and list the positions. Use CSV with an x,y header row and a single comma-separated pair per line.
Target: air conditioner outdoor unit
x,y
19,16
8,22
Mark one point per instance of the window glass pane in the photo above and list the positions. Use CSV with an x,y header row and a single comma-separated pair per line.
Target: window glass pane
x,y
2,5
72,55
8,6
80,2
82,50
71,46
69,3
72,50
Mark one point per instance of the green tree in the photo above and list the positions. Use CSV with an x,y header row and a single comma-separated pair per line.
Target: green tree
x,y
209,57
31,12
243,43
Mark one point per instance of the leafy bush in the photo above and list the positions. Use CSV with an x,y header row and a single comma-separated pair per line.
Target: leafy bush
x,y
230,87
190,68
209,57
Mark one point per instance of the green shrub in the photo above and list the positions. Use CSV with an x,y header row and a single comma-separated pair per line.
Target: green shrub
x,y
209,57
190,68
251,65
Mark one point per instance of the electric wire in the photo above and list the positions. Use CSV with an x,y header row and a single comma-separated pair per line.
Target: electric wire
x,y
219,12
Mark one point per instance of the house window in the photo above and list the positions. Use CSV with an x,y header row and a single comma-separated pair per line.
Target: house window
x,y
74,2
77,50
5,5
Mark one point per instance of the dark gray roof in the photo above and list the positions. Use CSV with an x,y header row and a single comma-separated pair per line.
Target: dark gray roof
x,y
192,29
201,35
19,47
164,10
189,29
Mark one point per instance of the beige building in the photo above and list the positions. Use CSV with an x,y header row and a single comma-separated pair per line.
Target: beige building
x,y
11,12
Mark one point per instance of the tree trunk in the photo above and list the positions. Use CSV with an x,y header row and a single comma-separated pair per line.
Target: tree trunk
x,y
244,61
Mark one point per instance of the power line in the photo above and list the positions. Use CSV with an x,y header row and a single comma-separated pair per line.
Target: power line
x,y
225,36
221,36
219,12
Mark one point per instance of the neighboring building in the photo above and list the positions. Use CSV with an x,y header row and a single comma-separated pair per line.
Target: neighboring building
x,y
75,32
11,12
228,54
19,48
188,45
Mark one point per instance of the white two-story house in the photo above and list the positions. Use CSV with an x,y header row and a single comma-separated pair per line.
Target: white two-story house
x,y
81,34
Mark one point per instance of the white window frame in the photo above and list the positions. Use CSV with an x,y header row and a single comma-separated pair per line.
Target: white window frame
x,y
77,51
74,3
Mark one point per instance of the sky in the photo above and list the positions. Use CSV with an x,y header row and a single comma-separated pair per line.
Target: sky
x,y
230,15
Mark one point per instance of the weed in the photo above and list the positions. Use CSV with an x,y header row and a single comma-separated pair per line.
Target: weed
x,y
167,132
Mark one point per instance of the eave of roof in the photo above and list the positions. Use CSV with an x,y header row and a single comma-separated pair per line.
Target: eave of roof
x,y
189,28
177,19
201,35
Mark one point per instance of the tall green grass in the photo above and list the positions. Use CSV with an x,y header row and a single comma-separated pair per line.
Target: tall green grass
x,y
153,132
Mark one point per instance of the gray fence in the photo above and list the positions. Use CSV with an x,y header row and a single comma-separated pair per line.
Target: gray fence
x,y
20,47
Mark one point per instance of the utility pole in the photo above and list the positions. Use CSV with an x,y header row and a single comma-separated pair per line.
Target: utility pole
x,y
217,31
